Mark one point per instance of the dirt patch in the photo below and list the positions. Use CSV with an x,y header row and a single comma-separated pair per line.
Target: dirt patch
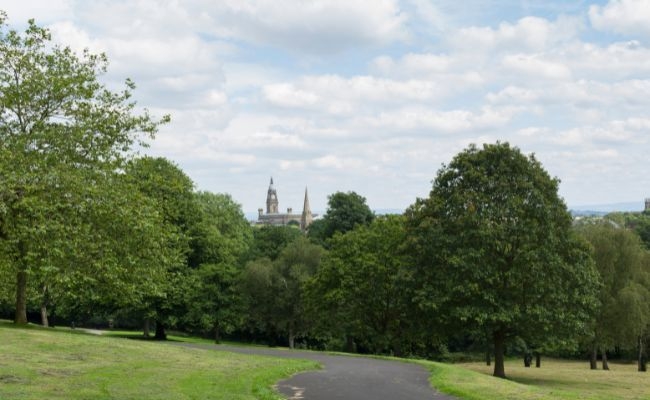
x,y
12,379
56,372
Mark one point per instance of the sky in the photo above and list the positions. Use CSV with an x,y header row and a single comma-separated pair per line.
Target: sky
x,y
375,96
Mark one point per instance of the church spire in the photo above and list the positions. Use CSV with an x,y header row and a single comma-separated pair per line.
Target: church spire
x,y
307,217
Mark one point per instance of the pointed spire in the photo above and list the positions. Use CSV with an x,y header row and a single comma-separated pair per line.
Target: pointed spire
x,y
305,207
307,217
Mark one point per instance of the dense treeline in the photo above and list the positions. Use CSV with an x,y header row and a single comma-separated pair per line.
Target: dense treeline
x,y
491,261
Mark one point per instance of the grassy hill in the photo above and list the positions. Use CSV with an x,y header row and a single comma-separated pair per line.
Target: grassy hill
x,y
63,364
39,363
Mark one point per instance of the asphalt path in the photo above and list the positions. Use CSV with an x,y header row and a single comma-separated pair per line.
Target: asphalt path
x,y
347,377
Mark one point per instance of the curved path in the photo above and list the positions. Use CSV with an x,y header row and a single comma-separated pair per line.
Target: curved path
x,y
347,377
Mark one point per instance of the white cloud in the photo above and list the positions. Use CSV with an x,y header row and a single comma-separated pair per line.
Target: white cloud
x,y
536,66
528,33
428,121
312,27
622,16
287,95
335,95
44,12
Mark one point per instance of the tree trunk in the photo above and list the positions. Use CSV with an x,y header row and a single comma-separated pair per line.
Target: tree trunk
x,y
538,360
605,363
21,298
292,338
499,353
488,357
44,320
528,358
217,334
593,359
160,331
642,355
349,344
147,327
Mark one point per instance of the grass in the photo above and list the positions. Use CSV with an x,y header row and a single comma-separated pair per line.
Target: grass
x,y
557,379
41,363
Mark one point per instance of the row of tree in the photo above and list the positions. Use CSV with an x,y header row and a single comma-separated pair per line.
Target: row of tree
x,y
490,258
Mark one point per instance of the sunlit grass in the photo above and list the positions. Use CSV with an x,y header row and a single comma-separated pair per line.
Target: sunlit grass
x,y
65,364
557,379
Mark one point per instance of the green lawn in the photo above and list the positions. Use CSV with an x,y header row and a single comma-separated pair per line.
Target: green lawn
x,y
38,363
63,364
557,379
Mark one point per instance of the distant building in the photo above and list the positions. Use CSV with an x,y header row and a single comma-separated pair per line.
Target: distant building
x,y
274,217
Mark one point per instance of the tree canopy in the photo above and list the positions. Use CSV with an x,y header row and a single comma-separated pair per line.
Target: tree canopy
x,y
495,253
344,212
63,136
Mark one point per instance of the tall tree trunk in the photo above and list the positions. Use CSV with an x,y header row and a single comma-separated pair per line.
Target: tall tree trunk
x,y
528,358
642,355
349,344
499,354
160,331
21,298
146,329
538,360
292,338
44,320
217,333
593,358
605,363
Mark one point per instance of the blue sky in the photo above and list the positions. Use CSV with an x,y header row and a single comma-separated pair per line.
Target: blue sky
x,y
373,96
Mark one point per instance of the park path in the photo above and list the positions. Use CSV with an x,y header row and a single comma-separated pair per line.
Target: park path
x,y
347,377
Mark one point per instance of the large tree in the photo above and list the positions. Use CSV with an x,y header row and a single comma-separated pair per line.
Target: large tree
x,y
344,212
62,136
164,183
622,262
275,291
365,285
220,240
495,252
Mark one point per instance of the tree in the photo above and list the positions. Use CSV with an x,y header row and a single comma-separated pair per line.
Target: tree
x,y
270,240
62,136
622,263
365,285
220,240
275,291
344,212
171,190
494,251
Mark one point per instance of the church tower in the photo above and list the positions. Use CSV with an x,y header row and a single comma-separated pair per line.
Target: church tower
x,y
271,199
307,217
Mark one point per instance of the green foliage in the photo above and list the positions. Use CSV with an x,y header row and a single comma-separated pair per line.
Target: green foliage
x,y
220,240
639,222
63,136
222,235
344,212
494,252
167,186
624,268
274,290
365,285
270,240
